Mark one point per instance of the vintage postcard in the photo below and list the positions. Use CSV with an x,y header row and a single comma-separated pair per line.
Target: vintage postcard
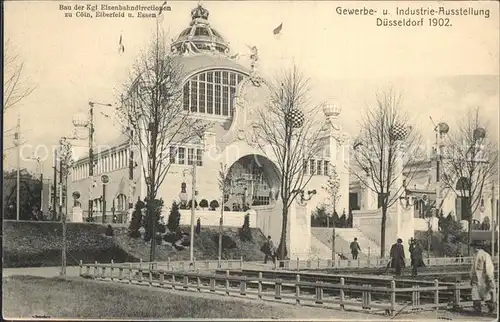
x,y
262,160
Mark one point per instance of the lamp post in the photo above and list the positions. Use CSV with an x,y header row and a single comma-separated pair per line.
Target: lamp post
x,y
17,143
88,122
441,129
39,166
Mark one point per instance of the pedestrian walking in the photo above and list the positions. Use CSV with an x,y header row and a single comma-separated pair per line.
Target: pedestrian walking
x,y
397,255
416,256
482,279
355,249
269,250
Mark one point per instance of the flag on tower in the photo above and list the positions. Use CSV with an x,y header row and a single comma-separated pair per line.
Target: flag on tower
x,y
277,30
121,47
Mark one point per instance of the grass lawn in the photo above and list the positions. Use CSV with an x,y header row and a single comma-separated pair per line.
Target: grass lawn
x,y
26,296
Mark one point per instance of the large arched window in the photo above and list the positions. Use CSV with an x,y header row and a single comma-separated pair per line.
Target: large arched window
x,y
212,92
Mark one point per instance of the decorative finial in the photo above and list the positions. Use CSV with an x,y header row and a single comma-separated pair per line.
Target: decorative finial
x,y
331,110
199,12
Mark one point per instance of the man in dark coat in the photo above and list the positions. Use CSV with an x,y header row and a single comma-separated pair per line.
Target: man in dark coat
x,y
397,256
416,256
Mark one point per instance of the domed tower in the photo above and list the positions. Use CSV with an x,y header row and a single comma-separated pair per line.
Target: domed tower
x,y
200,37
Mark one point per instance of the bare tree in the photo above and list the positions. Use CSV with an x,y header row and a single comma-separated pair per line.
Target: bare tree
x,y
153,109
224,181
470,162
332,188
15,86
378,152
286,129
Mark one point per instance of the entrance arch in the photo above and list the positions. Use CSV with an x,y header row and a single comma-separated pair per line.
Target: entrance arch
x,y
254,180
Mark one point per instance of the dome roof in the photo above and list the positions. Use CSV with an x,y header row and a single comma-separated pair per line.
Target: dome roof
x,y
200,35
196,63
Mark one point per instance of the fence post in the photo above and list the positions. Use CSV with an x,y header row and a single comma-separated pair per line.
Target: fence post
x,y
103,271
416,297
298,264
241,262
173,280
150,277
162,278
319,293
393,298
277,289
81,267
185,282
436,295
259,290
168,263
456,293
227,282
88,269
130,273
140,263
212,283
342,293
198,280
243,286
297,289
120,270
112,270
276,264
95,269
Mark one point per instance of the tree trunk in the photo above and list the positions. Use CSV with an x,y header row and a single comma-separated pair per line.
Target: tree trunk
x,y
382,231
282,244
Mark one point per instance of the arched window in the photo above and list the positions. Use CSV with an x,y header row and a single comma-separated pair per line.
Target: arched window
x,y
121,202
212,92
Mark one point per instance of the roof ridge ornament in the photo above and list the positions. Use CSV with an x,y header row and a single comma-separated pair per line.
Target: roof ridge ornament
x,y
199,12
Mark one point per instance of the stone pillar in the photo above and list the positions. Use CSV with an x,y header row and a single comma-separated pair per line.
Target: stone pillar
x,y
400,221
76,214
299,231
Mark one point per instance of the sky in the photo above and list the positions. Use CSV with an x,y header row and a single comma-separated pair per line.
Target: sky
x,y
440,71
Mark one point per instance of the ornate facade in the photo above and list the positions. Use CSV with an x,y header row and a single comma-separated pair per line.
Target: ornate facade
x,y
219,88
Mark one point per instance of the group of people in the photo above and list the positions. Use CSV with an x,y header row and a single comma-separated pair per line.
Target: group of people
x,y
482,272
482,277
397,256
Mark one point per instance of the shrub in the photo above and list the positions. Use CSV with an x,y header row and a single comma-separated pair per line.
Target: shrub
x,y
214,204
159,240
162,228
226,208
174,218
109,231
227,242
170,237
204,203
190,203
245,231
136,220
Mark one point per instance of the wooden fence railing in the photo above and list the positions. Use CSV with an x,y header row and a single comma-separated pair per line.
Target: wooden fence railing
x,y
384,295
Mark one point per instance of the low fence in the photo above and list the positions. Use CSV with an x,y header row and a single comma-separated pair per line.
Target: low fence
x,y
298,265
240,264
395,297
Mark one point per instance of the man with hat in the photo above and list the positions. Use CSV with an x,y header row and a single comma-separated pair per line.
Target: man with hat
x,y
397,255
482,278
